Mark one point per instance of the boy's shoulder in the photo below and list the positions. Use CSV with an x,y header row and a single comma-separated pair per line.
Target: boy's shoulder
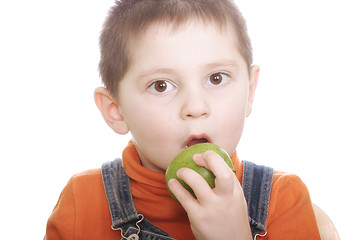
x,y
280,179
283,180
86,182
287,188
288,192
92,175
290,206
83,196
83,191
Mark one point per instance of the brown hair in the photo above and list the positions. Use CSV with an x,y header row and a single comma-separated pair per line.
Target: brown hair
x,y
129,18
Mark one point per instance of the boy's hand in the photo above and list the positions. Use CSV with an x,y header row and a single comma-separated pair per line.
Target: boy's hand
x,y
218,213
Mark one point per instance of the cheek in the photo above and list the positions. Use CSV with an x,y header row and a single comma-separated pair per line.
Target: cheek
x,y
234,107
151,125
232,137
146,123
151,133
233,117
238,117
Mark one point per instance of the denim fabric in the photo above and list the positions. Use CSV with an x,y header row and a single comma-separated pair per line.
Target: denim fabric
x,y
123,213
257,182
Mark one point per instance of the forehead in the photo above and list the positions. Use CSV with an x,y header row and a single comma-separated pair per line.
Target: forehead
x,y
193,34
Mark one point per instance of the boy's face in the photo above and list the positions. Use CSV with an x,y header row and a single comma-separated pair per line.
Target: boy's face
x,y
184,87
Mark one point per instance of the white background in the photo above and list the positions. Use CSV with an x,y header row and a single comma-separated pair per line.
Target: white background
x,y
305,119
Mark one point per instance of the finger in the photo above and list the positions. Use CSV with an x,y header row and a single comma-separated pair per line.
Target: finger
x,y
182,195
200,160
225,177
196,182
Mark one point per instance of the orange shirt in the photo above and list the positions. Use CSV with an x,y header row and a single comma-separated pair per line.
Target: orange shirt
x,y
82,211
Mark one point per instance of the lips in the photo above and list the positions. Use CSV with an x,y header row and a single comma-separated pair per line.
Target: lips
x,y
195,139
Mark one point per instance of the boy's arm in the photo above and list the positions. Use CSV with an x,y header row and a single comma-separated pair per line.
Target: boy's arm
x,y
62,220
326,227
219,213
291,215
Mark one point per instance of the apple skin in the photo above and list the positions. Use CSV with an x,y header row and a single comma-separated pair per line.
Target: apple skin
x,y
185,160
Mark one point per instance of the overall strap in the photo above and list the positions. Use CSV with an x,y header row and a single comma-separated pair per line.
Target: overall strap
x,y
256,184
124,215
121,206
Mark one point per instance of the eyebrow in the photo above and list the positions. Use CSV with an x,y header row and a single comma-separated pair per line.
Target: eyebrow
x,y
224,63
153,71
171,71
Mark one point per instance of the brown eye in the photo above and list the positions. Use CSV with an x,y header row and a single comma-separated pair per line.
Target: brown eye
x,y
216,78
160,86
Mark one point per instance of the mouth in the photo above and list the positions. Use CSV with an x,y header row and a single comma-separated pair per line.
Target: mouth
x,y
195,139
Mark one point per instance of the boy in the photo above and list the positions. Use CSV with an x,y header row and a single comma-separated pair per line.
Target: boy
x,y
178,73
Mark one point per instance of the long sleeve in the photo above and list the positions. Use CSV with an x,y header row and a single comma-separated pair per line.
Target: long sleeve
x,y
82,211
291,215
62,220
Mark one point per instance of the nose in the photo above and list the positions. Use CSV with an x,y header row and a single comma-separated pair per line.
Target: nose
x,y
195,105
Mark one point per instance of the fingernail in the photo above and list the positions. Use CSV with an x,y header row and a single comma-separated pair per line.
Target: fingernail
x,y
171,181
179,172
207,153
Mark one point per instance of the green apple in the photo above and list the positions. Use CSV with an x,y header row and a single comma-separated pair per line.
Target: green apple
x,y
185,160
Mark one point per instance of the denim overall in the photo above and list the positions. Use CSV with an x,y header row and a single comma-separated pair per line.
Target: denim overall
x,y
256,184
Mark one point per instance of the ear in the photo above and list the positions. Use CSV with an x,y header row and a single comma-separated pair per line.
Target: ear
x,y
110,111
254,77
